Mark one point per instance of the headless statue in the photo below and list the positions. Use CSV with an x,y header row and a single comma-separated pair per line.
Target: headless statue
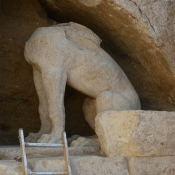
x,y
70,54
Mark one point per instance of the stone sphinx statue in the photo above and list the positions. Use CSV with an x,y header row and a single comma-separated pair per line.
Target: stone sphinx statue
x,y
70,54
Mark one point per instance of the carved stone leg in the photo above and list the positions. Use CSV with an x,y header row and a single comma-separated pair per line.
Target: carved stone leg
x,y
43,108
109,100
54,80
89,109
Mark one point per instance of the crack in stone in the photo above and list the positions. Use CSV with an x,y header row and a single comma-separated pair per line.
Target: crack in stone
x,y
143,14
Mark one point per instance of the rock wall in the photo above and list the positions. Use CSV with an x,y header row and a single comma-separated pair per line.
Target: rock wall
x,y
19,102
18,98
138,34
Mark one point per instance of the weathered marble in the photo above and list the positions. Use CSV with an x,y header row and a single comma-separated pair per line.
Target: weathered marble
x,y
80,166
88,165
14,153
152,165
136,133
11,168
100,166
70,54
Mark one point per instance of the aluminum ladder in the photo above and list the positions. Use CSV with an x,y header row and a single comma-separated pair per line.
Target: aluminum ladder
x,y
27,144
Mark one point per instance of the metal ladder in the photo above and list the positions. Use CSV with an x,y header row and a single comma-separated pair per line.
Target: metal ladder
x,y
24,157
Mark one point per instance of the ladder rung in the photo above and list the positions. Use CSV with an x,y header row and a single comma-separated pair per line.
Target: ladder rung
x,y
24,158
43,144
48,173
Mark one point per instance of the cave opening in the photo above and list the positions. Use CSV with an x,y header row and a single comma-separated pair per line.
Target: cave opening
x,y
130,46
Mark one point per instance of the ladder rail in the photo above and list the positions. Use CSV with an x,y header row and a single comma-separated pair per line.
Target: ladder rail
x,y
66,153
23,152
27,144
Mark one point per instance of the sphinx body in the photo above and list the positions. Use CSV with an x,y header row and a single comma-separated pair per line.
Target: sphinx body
x,y
70,54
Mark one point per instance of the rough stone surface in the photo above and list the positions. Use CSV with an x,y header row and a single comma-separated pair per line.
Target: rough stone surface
x,y
80,166
10,168
47,165
98,165
136,133
88,165
14,153
90,3
86,142
70,54
152,165
159,17
18,99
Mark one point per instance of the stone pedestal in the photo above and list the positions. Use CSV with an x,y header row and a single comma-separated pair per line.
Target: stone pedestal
x,y
135,142
136,133
88,165
84,165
